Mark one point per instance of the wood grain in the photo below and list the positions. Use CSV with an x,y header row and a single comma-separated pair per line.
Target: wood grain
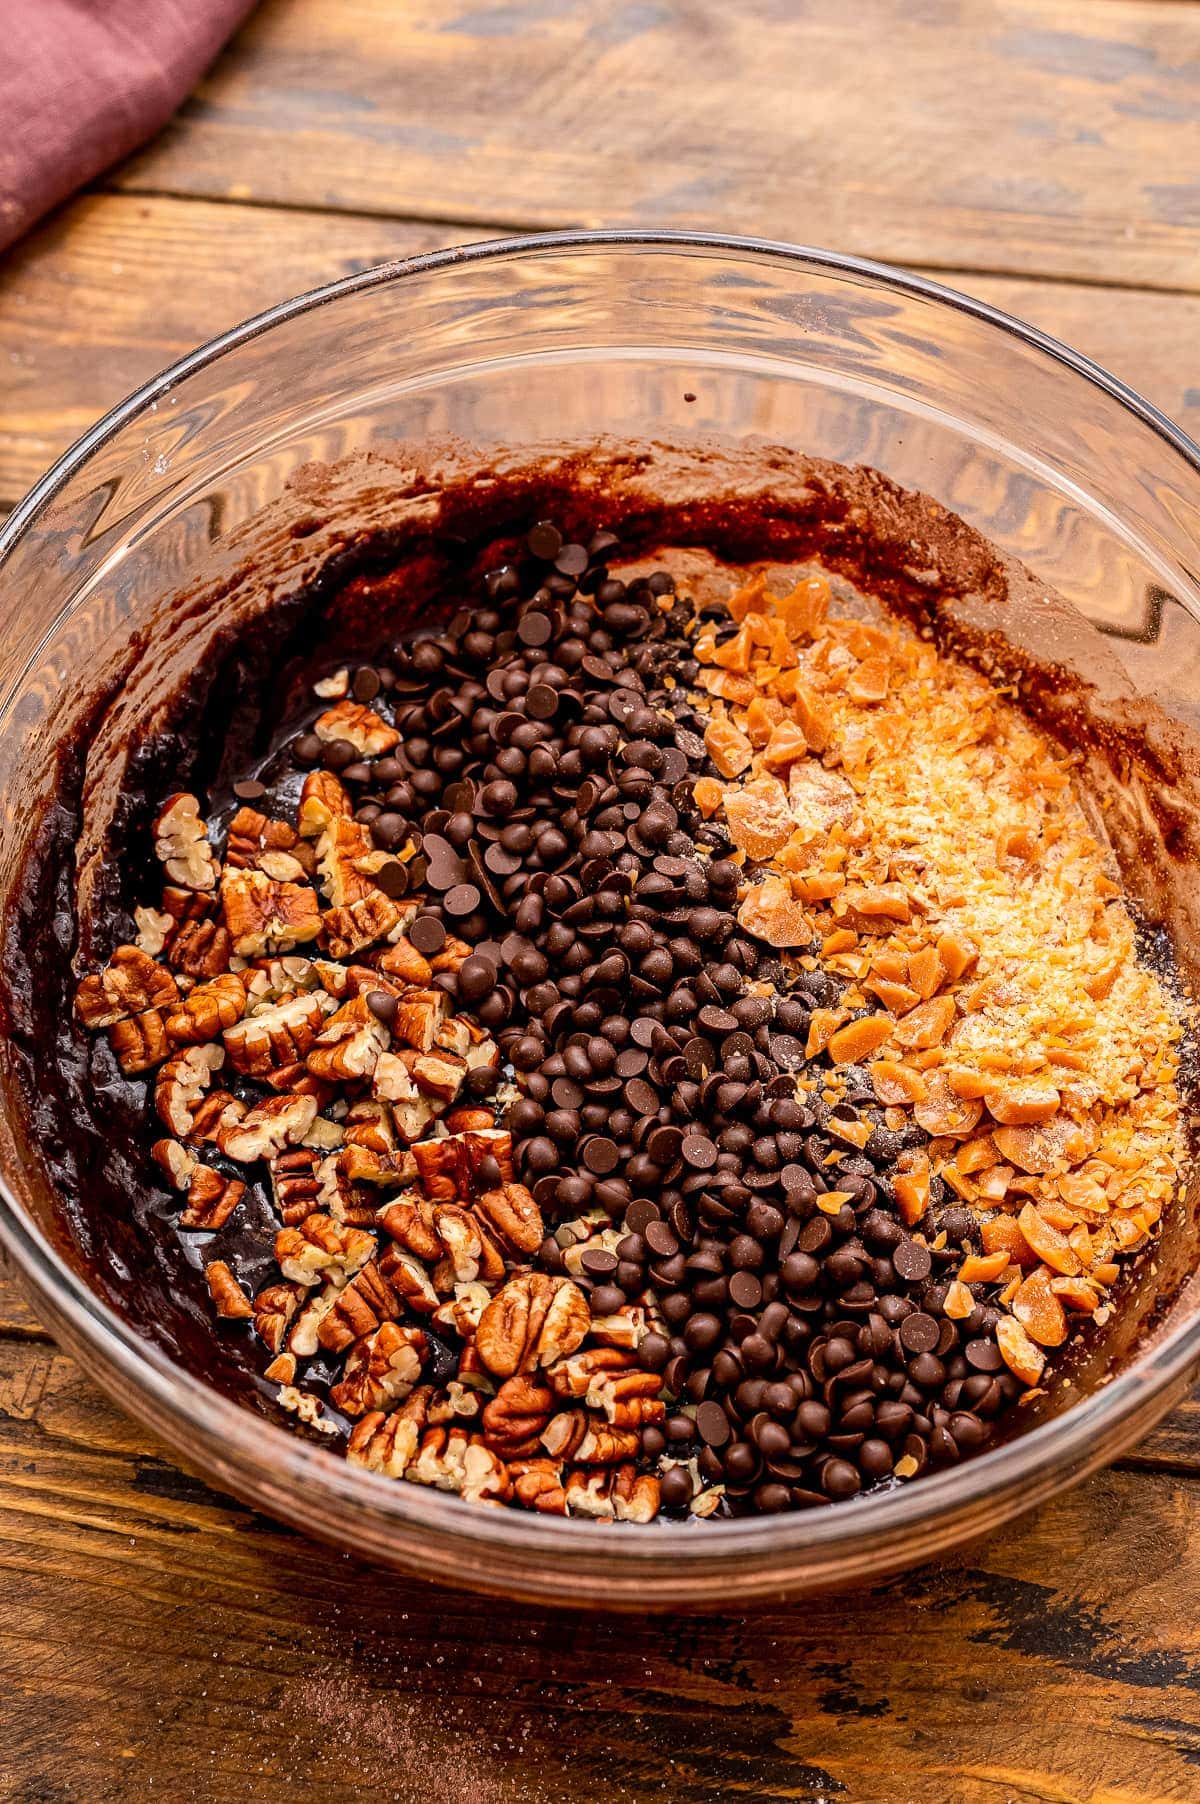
x,y
158,1639
115,287
1038,136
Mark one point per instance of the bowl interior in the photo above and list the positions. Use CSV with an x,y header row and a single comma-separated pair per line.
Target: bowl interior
x,y
208,504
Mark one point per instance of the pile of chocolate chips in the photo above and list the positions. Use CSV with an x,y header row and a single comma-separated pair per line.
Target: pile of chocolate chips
x,y
546,765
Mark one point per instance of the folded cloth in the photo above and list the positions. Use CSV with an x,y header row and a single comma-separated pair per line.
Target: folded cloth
x,y
84,82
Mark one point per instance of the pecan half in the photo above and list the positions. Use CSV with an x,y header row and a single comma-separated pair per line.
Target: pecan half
x,y
181,843
212,1199
515,1418
264,915
382,1368
200,948
367,733
345,931
278,1035
130,984
512,1216
383,1443
365,1302
322,1248
180,1086
140,1043
624,1494
531,1322
207,1010
574,1435
272,1124
322,800
229,1299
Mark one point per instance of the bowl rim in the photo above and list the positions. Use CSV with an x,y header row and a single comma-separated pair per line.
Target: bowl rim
x,y
255,1449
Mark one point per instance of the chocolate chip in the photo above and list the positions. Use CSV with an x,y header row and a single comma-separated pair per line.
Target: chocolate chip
x,y
600,1154
912,1260
544,541
463,899
534,629
699,1151
366,684
713,1424
249,789
427,935
919,1333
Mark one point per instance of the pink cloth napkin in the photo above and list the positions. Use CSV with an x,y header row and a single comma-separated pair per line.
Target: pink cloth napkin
x,y
84,82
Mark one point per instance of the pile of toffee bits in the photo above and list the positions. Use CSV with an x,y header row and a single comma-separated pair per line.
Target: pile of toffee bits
x,y
667,1113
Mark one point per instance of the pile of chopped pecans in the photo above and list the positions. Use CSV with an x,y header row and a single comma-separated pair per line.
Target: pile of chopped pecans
x,y
362,1092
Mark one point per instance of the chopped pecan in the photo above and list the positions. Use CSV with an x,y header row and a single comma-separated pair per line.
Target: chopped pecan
x,y
513,1217
263,915
175,1161
214,1113
365,1302
349,1044
294,1182
409,1220
251,835
180,1086
419,1018
153,930
384,1443
200,948
273,1312
409,1279
140,1043
340,852
130,984
282,1369
515,1418
439,1075
487,1154
441,1166
207,1010
181,843
338,1195
627,1327
580,1373
317,1305
403,962
345,931
538,1485
229,1298
212,1199
382,1368
574,1435
366,732
279,1035
623,1494
272,1124
534,1320
322,1248
322,799
471,1253
370,1124
453,955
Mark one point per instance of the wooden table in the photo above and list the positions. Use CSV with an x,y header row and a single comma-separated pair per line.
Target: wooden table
x,y
157,1639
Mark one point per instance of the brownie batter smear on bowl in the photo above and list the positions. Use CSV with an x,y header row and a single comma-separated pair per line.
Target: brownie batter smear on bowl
x,y
694,1054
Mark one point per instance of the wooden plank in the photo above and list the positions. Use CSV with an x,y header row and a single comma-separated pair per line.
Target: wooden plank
x,y
1021,135
157,1639
115,287
112,289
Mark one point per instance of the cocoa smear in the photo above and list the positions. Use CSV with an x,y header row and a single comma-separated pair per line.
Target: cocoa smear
x,y
355,555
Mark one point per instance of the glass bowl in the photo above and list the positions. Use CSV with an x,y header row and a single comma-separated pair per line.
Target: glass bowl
x,y
646,338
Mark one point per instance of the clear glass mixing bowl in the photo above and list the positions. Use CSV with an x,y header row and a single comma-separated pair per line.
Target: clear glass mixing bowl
x,y
646,338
